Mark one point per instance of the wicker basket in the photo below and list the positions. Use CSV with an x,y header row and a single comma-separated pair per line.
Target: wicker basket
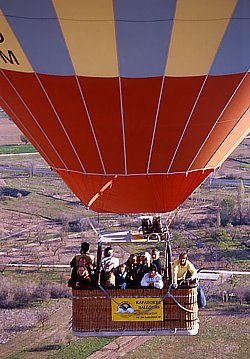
x,y
92,312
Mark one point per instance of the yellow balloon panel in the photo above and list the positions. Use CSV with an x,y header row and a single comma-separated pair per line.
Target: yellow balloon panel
x,y
197,33
12,55
89,33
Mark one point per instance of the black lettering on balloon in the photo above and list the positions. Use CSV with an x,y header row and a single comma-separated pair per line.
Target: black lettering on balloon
x,y
1,37
11,58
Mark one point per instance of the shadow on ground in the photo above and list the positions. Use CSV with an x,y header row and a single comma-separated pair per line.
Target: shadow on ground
x,y
44,348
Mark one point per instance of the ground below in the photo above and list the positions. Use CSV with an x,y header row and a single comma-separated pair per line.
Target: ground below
x,y
216,339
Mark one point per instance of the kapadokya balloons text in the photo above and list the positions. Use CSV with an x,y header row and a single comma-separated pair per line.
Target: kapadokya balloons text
x,y
133,103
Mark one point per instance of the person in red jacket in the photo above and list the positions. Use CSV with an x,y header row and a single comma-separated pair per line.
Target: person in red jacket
x,y
81,280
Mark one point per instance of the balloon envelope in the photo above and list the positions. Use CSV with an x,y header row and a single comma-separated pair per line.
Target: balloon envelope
x,y
133,103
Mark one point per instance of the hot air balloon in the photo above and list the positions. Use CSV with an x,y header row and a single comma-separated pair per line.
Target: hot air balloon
x,y
133,103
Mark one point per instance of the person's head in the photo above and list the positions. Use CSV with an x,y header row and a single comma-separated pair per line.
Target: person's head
x,y
84,247
82,272
155,254
132,258
122,268
82,262
183,258
139,259
108,252
144,260
152,271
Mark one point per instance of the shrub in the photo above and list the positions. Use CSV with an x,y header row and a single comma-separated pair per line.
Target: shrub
x,y
14,294
59,291
24,139
242,294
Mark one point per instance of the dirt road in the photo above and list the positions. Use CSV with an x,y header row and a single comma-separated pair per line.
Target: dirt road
x,y
119,347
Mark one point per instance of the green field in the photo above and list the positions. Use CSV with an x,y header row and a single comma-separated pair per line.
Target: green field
x,y
15,149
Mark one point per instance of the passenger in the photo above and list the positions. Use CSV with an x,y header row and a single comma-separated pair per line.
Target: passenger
x,y
131,266
131,262
183,269
121,276
81,280
108,275
152,278
82,262
84,252
148,256
92,272
139,260
142,268
109,257
156,260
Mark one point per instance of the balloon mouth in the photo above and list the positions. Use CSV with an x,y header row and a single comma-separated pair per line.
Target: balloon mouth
x,y
134,194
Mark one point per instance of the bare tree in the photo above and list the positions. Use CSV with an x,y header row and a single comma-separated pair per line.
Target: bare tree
x,y
55,248
40,235
241,195
42,316
26,253
3,264
31,169
24,139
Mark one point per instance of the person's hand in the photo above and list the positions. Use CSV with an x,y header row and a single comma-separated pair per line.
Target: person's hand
x,y
175,285
77,284
123,286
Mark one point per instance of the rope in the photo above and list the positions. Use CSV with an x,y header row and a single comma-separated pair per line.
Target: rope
x,y
168,294
181,306
108,295
138,314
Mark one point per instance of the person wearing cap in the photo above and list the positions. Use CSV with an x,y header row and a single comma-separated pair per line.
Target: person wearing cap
x,y
152,278
108,275
109,257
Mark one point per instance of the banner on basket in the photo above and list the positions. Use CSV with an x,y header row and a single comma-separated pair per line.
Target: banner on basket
x,y
136,309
